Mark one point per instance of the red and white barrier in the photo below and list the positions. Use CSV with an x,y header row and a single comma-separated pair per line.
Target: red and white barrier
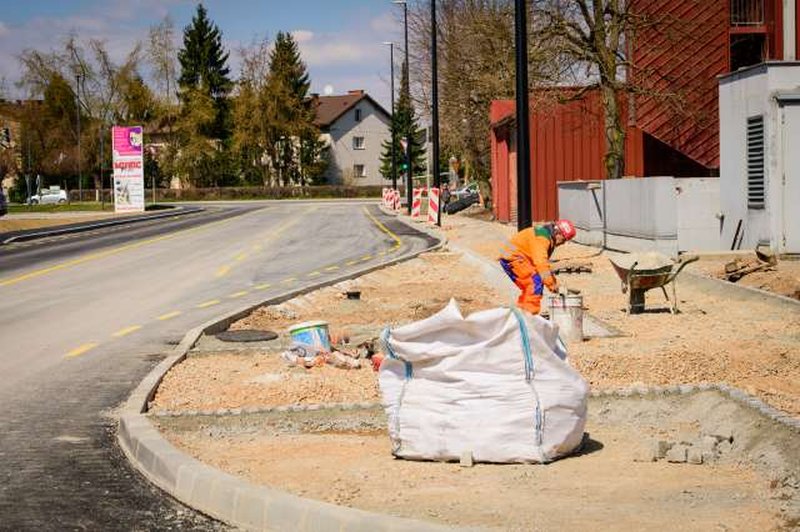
x,y
433,205
396,200
385,196
416,203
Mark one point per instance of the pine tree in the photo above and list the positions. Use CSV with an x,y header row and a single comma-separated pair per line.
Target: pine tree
x,y
292,115
204,67
404,121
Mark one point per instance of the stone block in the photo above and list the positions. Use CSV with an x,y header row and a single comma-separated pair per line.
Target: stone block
x,y
466,459
677,454
659,449
249,508
694,456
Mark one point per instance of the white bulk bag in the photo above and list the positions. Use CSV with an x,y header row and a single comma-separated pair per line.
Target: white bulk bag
x,y
492,384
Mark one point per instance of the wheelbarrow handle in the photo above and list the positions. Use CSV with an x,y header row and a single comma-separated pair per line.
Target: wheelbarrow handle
x,y
684,262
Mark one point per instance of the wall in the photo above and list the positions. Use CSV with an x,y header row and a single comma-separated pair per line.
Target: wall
x,y
650,214
746,93
374,127
685,58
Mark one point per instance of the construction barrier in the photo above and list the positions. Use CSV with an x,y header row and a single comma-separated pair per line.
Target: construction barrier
x,y
396,200
416,203
433,205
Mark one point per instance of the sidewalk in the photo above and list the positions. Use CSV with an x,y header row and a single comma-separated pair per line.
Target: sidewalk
x,y
320,433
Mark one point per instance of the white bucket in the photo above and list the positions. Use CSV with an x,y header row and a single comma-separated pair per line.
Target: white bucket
x,y
567,313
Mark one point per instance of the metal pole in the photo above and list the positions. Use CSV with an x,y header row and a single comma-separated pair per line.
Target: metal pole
x,y
435,111
394,139
409,133
78,113
102,199
524,218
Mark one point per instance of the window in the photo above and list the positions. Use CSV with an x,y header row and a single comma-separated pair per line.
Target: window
x,y
358,143
359,170
755,162
358,115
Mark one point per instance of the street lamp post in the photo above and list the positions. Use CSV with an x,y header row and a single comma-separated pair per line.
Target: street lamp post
x,y
408,132
394,158
78,78
435,110
524,218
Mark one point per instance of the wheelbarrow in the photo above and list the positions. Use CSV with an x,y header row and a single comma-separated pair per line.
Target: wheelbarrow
x,y
657,274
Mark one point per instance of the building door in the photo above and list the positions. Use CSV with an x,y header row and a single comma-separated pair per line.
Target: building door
x,y
791,176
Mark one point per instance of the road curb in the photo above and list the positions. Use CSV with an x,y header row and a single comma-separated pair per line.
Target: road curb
x,y
746,293
33,234
225,497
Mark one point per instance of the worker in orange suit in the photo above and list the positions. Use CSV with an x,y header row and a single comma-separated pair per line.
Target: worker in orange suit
x,y
528,261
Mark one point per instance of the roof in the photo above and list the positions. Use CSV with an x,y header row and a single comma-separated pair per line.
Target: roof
x,y
331,108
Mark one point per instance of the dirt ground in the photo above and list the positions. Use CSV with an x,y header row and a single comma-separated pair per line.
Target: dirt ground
x,y
755,347
782,279
604,487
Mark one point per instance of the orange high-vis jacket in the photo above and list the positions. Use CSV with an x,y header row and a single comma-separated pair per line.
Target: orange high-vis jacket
x,y
535,244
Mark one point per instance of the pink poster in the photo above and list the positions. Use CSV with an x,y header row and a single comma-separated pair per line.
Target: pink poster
x,y
127,140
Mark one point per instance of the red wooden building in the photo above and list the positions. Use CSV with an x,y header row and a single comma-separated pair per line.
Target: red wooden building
x,y
678,137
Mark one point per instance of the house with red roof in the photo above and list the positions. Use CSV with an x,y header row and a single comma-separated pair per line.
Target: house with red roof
x,y
354,127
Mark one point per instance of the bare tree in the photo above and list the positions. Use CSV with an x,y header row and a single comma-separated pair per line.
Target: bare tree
x,y
594,39
476,66
162,55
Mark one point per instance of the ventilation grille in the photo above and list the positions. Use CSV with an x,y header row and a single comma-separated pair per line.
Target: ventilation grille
x,y
755,162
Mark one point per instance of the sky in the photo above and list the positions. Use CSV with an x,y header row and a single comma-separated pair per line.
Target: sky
x,y
340,40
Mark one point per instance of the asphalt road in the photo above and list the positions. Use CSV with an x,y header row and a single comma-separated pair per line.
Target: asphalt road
x,y
85,317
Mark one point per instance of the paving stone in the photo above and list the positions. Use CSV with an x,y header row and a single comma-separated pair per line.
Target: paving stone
x,y
677,454
659,448
466,459
694,455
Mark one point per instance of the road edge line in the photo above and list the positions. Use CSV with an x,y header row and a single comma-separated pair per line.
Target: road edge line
x,y
220,495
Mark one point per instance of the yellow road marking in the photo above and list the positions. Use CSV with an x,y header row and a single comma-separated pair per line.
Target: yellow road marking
x,y
169,315
262,286
383,228
257,247
241,256
314,274
110,252
289,280
78,351
331,268
239,294
126,331
350,263
222,272
366,257
208,303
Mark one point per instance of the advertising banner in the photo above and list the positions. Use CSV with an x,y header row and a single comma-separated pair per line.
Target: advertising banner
x,y
128,152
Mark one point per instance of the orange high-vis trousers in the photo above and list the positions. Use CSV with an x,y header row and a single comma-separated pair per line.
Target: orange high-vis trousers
x,y
527,279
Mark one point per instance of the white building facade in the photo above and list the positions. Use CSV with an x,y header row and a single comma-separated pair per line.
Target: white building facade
x,y
760,157
354,127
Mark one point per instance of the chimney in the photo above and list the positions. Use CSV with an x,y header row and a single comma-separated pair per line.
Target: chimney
x,y
356,92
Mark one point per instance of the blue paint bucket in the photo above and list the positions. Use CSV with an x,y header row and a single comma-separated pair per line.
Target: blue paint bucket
x,y
313,333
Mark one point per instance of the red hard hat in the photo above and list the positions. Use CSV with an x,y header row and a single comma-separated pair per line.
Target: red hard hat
x,y
566,228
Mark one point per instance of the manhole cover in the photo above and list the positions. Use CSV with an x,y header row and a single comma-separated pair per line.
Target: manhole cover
x,y
246,336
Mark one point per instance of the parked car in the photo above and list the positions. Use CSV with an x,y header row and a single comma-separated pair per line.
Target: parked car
x,y
464,192
49,196
3,203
